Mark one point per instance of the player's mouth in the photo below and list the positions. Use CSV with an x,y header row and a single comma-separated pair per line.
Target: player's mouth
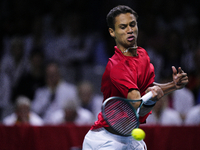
x,y
131,38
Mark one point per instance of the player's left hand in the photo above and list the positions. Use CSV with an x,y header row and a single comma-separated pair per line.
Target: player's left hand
x,y
180,78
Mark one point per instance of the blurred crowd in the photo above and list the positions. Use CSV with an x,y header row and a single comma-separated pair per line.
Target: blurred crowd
x,y
53,54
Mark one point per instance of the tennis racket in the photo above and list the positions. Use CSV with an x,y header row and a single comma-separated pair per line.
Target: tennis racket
x,y
120,115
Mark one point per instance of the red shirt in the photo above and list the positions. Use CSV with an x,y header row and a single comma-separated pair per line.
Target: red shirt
x,y
123,73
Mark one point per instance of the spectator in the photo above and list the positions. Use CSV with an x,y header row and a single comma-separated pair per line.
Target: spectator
x,y
163,115
14,63
182,101
72,114
54,94
72,49
88,98
33,78
193,116
5,92
23,114
194,77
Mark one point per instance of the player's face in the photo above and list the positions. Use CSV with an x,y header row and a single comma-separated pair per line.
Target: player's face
x,y
126,31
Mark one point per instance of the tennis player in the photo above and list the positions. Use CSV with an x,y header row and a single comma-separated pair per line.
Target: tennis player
x,y
128,74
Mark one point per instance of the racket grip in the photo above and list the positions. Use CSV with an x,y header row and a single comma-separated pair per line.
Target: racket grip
x,y
147,96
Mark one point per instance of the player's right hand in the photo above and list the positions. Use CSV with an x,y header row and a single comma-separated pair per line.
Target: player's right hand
x,y
157,92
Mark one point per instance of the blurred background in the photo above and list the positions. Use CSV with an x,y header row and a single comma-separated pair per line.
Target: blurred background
x,y
74,34
52,57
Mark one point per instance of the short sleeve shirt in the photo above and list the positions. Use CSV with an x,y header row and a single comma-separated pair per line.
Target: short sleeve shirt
x,y
124,73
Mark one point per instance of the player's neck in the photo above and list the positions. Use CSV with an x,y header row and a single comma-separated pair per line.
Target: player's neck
x,y
130,51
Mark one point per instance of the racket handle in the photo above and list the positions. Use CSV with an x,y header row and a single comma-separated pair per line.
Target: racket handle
x,y
147,96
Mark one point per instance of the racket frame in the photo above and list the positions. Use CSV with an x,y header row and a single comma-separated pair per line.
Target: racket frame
x,y
143,99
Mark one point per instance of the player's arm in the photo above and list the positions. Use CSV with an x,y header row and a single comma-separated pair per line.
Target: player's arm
x,y
135,94
148,106
180,79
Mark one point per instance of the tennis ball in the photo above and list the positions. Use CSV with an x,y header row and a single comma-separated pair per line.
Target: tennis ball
x,y
138,134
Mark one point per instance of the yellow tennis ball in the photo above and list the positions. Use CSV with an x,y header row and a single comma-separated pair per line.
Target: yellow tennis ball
x,y
138,134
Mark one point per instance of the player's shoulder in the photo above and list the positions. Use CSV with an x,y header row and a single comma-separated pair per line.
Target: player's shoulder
x,y
141,51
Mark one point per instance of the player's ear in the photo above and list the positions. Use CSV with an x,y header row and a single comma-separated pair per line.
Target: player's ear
x,y
112,33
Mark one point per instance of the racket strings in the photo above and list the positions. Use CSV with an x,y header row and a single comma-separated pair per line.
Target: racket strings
x,y
120,115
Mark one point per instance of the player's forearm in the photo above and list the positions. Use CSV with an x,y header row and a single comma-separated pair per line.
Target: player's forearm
x,y
166,87
134,94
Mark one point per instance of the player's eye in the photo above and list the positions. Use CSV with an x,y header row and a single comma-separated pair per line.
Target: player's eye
x,y
122,26
133,24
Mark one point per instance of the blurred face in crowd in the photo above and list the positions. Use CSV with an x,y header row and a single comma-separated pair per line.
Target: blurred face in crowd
x,y
125,32
37,61
22,112
70,111
85,93
52,75
70,115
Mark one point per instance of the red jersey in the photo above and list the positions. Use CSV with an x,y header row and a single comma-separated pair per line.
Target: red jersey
x,y
123,73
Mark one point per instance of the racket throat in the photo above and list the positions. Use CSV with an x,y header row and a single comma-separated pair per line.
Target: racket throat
x,y
137,106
